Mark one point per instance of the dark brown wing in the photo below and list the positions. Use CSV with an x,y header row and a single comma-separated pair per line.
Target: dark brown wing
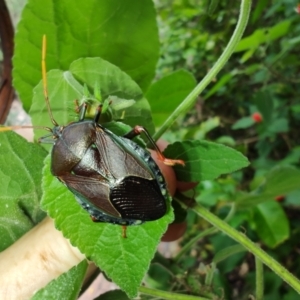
x,y
119,162
90,190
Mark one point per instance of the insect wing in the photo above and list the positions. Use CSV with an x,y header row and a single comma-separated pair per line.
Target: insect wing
x,y
93,193
136,193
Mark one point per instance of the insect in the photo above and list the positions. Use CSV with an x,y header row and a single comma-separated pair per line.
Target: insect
x,y
112,178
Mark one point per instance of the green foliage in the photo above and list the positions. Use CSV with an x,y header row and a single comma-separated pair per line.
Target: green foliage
x,y
204,160
66,286
167,93
65,86
271,231
260,78
89,29
21,170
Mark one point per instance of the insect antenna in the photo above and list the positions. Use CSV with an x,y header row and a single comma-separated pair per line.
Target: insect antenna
x,y
44,76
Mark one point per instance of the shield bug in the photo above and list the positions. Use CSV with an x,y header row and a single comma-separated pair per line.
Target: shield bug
x,y
114,179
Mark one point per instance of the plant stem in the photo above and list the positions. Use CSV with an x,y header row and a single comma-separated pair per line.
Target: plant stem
x,y
168,295
189,101
249,245
191,242
201,235
259,268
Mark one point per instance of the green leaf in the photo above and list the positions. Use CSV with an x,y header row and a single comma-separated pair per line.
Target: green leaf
x,y
20,190
221,242
66,86
279,181
242,123
279,30
167,93
211,6
282,180
264,35
251,42
62,94
265,104
114,30
246,55
204,160
66,287
217,86
114,82
258,10
279,125
272,225
124,260
227,252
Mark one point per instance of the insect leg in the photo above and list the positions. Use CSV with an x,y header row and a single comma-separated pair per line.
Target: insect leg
x,y
77,106
83,108
48,139
98,113
124,227
137,130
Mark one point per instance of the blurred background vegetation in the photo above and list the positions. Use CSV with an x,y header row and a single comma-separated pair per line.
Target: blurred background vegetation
x,y
254,106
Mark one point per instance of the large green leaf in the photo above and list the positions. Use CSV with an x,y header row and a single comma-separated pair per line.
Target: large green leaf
x,y
65,287
20,189
64,88
114,82
204,160
167,93
124,260
272,225
114,30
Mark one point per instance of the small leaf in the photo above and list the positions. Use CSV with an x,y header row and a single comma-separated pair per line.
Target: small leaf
x,y
279,181
218,85
118,103
124,260
20,189
167,93
272,225
282,180
227,252
115,82
66,286
264,35
242,123
204,160
265,104
211,6
279,125
62,95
